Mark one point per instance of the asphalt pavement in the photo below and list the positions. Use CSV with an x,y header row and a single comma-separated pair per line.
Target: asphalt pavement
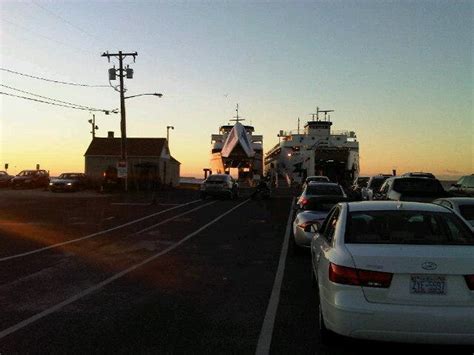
x,y
169,274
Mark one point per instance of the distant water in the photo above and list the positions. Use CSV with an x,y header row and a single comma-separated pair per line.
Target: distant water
x,y
190,180
447,183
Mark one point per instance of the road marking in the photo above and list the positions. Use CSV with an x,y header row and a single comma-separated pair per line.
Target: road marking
x,y
265,338
35,251
111,279
172,218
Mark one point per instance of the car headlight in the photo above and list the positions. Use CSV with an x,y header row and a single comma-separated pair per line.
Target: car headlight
x,y
69,184
50,184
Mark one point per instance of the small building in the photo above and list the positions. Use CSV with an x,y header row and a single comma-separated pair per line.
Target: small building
x,y
149,161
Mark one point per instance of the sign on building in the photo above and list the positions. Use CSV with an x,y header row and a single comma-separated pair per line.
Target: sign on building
x,y
122,169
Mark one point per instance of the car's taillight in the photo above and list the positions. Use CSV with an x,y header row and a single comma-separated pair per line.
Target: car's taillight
x,y
303,201
470,281
355,277
306,226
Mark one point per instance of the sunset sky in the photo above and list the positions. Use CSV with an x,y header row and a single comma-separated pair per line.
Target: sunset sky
x,y
399,73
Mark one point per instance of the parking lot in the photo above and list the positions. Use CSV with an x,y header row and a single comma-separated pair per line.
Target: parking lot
x,y
171,273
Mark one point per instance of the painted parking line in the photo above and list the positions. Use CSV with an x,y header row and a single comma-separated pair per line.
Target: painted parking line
x,y
88,291
266,333
39,250
173,218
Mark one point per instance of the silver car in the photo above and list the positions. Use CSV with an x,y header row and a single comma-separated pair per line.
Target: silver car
x,y
318,189
220,185
309,220
463,206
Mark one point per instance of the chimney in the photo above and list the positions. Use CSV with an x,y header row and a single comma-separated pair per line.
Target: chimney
x,y
110,134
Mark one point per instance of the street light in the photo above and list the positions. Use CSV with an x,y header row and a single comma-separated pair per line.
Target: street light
x,y
168,133
149,94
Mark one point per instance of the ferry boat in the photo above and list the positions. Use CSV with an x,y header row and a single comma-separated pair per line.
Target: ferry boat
x,y
315,151
237,151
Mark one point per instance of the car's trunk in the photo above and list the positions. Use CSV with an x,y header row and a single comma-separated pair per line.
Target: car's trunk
x,y
422,274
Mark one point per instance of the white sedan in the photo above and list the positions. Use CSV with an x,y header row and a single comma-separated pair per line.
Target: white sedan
x,y
395,271
462,205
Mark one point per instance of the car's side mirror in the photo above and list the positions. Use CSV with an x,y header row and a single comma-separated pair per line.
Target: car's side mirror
x,y
456,185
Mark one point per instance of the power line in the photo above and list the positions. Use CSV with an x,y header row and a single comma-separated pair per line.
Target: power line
x,y
55,104
45,37
64,20
44,97
53,81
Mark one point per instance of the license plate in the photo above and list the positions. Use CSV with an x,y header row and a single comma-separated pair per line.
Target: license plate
x,y
428,285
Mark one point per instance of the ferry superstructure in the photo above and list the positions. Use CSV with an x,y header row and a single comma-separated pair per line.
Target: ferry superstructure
x,y
236,147
315,151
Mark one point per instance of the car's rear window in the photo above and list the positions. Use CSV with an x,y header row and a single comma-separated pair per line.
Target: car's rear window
x,y
216,178
407,227
322,204
324,190
317,179
417,186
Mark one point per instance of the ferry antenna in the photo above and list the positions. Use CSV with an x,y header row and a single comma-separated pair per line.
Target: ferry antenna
x,y
237,117
318,111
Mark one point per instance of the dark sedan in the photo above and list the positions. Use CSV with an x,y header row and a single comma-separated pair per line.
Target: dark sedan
x,y
30,179
69,182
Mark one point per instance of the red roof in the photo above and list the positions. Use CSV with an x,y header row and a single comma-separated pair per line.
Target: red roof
x,y
136,147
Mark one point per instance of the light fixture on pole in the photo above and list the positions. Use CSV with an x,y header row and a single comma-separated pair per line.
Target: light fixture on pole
x,y
148,94
168,133
94,126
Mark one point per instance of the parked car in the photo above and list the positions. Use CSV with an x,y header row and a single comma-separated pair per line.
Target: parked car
x,y
464,186
373,186
30,179
310,219
394,271
220,185
417,189
419,174
69,182
5,178
318,189
464,206
315,178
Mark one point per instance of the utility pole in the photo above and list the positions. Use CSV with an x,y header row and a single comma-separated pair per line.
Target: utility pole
x,y
122,73
94,127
